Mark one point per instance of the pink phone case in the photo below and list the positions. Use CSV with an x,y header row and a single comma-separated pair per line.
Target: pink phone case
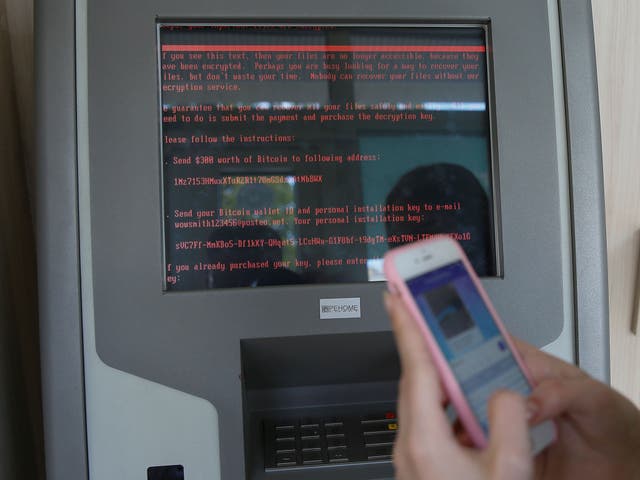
x,y
451,385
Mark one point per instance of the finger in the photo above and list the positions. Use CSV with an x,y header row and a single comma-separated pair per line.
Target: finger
x,y
509,445
542,365
420,394
554,397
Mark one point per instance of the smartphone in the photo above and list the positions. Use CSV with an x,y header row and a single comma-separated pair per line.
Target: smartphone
x,y
469,344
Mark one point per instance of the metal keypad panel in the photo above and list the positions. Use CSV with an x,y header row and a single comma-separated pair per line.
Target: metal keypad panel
x,y
316,441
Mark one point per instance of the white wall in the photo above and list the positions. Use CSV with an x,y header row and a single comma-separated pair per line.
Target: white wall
x,y
617,32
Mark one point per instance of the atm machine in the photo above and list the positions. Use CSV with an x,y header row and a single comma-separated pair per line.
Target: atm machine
x,y
217,185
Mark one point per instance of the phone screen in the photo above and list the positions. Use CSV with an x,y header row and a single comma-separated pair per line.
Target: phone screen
x,y
464,328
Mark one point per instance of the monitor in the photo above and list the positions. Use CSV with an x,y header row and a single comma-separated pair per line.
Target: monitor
x,y
300,153
219,181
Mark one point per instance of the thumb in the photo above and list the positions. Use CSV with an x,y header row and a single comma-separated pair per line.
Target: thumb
x,y
509,445
553,397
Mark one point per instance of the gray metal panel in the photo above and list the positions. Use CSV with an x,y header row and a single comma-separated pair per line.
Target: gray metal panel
x,y
583,119
57,240
191,341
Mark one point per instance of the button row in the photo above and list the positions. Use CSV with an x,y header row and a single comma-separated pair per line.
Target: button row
x,y
333,455
289,444
378,417
389,426
309,422
308,432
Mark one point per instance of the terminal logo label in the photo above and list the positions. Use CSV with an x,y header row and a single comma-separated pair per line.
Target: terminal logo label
x,y
340,308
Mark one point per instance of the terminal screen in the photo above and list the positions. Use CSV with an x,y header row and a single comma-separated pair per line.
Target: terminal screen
x,y
298,154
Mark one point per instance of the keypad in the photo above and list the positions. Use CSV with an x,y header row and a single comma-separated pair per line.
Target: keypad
x,y
314,440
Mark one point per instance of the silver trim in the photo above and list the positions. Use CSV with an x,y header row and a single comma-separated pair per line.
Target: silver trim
x,y
563,346
63,401
587,188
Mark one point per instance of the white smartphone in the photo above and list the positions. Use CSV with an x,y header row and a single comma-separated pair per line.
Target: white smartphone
x,y
469,344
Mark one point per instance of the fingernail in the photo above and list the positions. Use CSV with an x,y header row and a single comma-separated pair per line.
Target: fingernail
x,y
532,409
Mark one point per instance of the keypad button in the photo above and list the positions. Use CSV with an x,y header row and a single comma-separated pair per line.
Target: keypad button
x,y
334,429
311,457
285,444
309,422
337,455
336,441
286,459
385,438
332,421
285,425
377,417
379,453
288,432
313,432
311,444
376,427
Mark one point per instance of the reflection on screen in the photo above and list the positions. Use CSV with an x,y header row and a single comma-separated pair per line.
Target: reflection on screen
x,y
467,335
299,154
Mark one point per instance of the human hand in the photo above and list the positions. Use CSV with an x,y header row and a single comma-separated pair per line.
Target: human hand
x,y
598,430
426,447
